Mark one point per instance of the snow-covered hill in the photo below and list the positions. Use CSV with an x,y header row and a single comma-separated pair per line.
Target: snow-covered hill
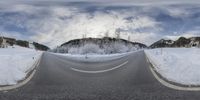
x,y
7,41
15,63
98,46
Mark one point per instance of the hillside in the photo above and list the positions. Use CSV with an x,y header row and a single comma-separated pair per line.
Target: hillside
x,y
181,42
104,45
6,41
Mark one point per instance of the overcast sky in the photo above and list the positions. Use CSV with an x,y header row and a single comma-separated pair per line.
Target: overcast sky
x,y
57,21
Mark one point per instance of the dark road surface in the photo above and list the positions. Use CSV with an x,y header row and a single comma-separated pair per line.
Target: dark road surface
x,y
55,80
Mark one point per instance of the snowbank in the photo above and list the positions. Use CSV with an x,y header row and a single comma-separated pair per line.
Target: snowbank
x,y
15,63
93,57
180,65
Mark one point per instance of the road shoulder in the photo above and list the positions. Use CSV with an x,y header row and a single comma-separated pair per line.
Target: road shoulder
x,y
166,82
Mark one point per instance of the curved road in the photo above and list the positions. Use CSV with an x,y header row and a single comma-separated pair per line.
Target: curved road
x,y
127,78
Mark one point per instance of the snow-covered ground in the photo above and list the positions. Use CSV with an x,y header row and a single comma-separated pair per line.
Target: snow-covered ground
x,y
94,57
180,65
15,63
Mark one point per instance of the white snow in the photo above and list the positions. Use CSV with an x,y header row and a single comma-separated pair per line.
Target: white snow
x,y
180,65
94,57
15,63
87,48
114,47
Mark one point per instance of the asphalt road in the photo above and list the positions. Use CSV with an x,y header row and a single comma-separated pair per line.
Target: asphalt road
x,y
127,78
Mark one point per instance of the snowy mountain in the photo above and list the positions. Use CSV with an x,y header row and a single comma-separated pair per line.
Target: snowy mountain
x,y
6,41
181,42
162,43
104,45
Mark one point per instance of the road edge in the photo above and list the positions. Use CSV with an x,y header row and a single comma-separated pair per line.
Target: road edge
x,y
27,78
167,83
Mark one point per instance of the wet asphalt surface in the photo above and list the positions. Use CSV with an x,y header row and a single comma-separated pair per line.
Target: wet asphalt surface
x,y
55,80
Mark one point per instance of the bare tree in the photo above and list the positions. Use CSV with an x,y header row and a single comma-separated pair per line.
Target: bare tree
x,y
117,33
129,38
107,34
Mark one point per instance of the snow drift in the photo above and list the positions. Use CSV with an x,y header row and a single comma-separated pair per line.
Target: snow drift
x,y
15,63
180,65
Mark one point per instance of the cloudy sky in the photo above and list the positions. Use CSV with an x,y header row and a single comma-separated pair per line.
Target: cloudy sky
x,y
54,22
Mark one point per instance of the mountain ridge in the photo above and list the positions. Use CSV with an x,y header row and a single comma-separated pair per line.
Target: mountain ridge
x,y
180,42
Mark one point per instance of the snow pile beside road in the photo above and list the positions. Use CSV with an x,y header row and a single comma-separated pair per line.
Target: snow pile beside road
x,y
180,65
93,57
15,63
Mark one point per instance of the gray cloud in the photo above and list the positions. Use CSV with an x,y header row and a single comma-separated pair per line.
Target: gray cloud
x,y
53,24
107,2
